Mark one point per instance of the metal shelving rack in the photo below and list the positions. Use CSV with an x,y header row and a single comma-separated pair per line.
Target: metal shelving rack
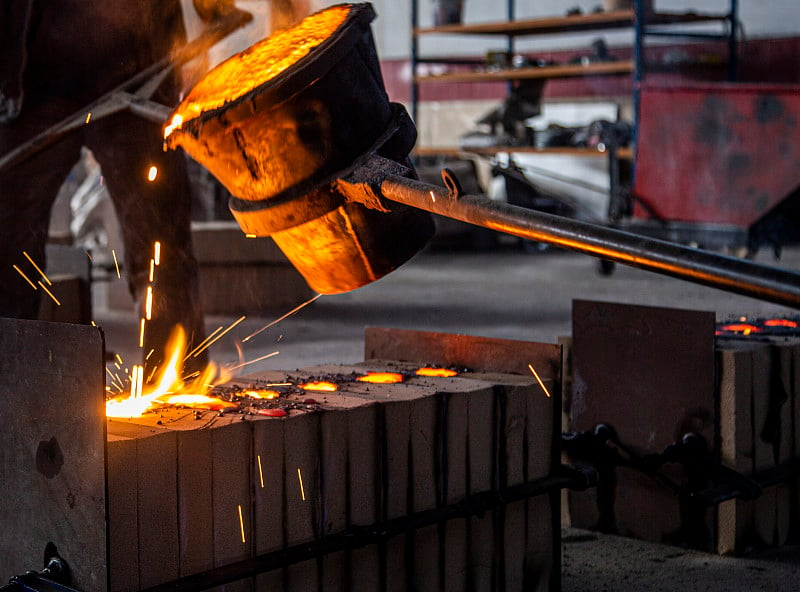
x,y
655,24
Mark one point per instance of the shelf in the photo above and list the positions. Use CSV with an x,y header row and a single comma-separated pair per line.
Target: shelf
x,y
565,24
559,71
451,151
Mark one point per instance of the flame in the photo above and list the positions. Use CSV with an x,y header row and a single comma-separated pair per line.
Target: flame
x,y
176,123
381,378
440,372
258,64
169,388
318,385
780,323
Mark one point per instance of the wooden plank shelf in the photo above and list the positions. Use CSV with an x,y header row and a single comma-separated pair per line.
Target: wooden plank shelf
x,y
564,24
542,72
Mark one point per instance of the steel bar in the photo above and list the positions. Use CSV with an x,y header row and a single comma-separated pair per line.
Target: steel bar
x,y
739,276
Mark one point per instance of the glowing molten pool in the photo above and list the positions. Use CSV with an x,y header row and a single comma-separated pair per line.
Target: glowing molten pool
x,y
321,386
381,378
439,372
258,64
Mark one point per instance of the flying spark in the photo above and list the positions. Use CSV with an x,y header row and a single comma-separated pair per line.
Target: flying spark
x,y
260,471
157,252
49,293
88,117
202,343
152,174
539,380
141,333
116,263
241,523
278,320
27,279
28,257
433,197
250,235
275,353
302,490
152,275
210,343
148,304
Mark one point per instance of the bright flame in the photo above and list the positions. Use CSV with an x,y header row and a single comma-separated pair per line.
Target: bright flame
x,y
381,378
319,386
176,123
169,387
440,372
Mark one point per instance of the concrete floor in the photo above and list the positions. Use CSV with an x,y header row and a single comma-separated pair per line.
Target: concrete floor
x,y
517,295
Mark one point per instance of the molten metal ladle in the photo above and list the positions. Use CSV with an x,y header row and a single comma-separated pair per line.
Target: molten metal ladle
x,y
314,152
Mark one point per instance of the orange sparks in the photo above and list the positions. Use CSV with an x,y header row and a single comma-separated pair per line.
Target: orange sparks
x,y
26,278
279,319
250,235
137,381
152,275
260,471
241,523
202,343
242,365
780,323
302,490
116,263
141,332
320,386
49,293
381,378
88,117
148,303
539,380
152,173
39,269
438,372
157,252
433,197
212,341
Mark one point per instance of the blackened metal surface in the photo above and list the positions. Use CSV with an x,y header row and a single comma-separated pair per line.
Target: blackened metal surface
x,y
52,443
649,373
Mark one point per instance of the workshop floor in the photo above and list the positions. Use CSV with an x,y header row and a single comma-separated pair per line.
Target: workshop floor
x,y
516,295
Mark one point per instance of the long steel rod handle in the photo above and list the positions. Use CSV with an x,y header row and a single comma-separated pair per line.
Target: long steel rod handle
x,y
739,276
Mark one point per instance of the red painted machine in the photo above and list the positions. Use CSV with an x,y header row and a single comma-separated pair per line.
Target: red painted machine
x,y
719,165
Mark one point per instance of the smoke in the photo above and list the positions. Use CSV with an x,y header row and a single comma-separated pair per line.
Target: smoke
x,y
286,13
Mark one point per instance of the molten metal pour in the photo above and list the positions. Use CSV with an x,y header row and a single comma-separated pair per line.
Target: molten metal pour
x,y
317,157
